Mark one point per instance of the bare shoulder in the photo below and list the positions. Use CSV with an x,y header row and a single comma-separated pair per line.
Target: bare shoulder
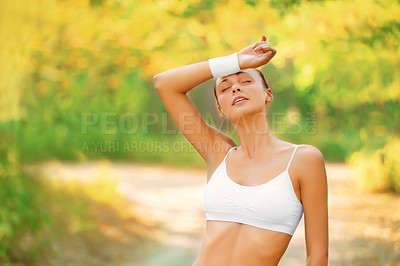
x,y
309,152
310,161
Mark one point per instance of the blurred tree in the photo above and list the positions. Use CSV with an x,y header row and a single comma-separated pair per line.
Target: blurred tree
x,y
337,63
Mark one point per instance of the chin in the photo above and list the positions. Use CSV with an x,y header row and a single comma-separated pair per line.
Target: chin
x,y
246,113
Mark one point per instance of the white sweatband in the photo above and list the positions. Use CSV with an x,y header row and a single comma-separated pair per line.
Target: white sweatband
x,y
223,66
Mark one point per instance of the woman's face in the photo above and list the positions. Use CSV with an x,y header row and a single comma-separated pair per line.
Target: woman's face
x,y
246,83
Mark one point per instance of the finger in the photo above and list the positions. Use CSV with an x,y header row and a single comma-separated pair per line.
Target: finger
x,y
260,45
270,54
262,50
263,47
263,38
254,45
269,49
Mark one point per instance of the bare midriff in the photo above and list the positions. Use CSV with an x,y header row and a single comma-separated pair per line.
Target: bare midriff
x,y
236,244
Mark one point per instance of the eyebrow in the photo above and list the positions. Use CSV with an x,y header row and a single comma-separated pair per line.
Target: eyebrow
x,y
238,73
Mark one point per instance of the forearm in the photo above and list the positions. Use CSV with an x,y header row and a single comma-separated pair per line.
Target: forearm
x,y
183,79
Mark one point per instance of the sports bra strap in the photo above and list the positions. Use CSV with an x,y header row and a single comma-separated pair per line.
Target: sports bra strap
x,y
226,155
290,161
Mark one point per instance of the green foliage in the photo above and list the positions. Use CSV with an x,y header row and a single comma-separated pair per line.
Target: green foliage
x,y
20,215
284,4
377,170
37,212
74,70
337,62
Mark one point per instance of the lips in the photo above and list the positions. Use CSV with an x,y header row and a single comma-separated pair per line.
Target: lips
x,y
238,97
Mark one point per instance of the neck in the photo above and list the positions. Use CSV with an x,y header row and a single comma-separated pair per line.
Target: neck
x,y
255,135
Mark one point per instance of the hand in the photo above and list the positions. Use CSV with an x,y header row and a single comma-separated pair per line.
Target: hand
x,y
256,55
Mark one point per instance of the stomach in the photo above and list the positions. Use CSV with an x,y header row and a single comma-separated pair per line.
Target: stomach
x,y
236,244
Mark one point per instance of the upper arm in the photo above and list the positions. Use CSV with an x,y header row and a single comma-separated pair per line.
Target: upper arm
x,y
314,194
189,121
171,87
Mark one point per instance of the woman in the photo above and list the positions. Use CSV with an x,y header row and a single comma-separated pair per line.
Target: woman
x,y
257,192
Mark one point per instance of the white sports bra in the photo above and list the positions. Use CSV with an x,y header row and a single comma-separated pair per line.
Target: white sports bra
x,y
272,205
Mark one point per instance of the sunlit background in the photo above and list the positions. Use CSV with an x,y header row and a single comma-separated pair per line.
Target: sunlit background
x,y
85,142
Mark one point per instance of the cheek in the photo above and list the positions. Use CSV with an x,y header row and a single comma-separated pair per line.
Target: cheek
x,y
254,92
224,100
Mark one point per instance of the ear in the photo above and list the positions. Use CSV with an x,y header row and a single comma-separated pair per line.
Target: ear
x,y
269,97
220,112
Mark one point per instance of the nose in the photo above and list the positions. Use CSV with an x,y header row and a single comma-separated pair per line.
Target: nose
x,y
235,89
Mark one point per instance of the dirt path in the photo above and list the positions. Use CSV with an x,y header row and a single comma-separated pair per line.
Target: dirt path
x,y
364,229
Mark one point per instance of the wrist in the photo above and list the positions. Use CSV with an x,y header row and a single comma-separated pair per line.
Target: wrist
x,y
223,66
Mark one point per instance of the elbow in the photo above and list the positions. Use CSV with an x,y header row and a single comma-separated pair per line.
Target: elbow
x,y
160,81
156,77
157,81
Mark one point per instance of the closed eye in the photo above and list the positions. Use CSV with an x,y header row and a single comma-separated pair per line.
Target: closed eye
x,y
246,81
226,88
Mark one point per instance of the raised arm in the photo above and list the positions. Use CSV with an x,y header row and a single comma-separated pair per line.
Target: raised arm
x,y
172,87
183,79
